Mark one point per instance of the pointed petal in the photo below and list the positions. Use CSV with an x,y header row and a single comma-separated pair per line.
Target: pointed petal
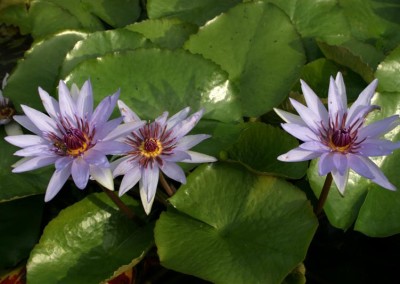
x,y
298,155
50,104
336,104
174,172
104,109
63,162
150,180
107,128
290,117
312,120
80,172
67,105
147,204
182,128
35,150
24,140
34,163
360,165
178,117
127,113
360,114
190,141
379,177
162,118
74,92
57,181
124,129
340,162
325,164
27,123
112,147
97,158
303,133
313,102
340,180
177,156
40,120
341,89
378,128
130,179
364,99
103,176
315,146
122,166
84,103
199,158
377,147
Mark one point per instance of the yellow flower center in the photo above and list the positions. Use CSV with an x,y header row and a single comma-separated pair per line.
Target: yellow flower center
x,y
75,142
150,148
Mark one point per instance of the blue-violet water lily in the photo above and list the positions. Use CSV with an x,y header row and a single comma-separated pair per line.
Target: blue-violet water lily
x,y
72,136
158,146
338,137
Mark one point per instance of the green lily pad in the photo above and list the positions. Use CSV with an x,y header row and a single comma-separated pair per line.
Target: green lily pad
x,y
232,226
15,186
388,72
258,147
39,68
53,16
153,81
165,33
20,229
15,13
101,43
197,12
244,41
88,242
332,24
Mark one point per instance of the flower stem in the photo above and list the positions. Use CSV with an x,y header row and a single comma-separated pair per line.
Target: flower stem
x,y
324,194
122,206
168,189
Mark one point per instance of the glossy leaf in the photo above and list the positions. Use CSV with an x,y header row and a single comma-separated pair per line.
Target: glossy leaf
x,y
165,33
39,69
89,242
258,148
232,226
20,229
197,12
244,41
388,72
14,186
101,43
332,24
153,81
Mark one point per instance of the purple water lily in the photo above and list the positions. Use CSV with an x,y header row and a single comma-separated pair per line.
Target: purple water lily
x,y
339,137
158,146
72,136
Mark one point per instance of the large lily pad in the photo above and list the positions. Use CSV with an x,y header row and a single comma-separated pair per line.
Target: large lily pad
x,y
153,81
88,242
258,148
245,41
197,12
232,226
39,68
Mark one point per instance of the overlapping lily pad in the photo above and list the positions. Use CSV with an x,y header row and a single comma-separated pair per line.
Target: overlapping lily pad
x,y
88,242
244,41
40,68
153,81
232,226
258,148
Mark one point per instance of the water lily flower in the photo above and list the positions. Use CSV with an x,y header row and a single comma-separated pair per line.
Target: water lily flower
x,y
339,137
158,146
72,136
